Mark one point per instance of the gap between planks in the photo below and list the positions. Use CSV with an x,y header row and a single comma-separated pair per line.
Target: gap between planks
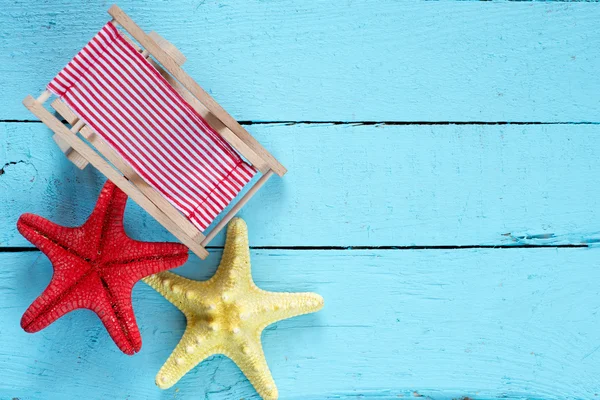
x,y
354,248
333,122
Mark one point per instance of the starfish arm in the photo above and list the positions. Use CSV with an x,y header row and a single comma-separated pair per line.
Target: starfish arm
x,y
53,240
236,254
191,350
148,258
236,241
63,294
106,220
277,306
114,308
70,270
251,360
179,291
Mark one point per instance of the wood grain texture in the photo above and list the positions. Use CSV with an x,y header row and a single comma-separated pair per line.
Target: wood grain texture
x,y
361,186
516,324
354,60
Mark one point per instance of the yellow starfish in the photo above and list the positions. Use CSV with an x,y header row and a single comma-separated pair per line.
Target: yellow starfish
x,y
227,314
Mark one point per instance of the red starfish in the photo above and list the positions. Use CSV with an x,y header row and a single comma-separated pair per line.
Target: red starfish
x,y
95,267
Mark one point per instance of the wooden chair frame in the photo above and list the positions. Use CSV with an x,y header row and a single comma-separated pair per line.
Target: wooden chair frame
x,y
168,60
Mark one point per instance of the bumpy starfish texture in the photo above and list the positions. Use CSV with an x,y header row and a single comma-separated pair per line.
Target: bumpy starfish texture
x,y
227,314
95,267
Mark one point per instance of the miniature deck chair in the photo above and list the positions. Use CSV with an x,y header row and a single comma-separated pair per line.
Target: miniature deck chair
x,y
155,132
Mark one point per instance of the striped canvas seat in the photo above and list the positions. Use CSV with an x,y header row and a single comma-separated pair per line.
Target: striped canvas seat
x,y
123,98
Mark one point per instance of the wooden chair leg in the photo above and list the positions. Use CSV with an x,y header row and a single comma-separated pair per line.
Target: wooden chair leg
x,y
44,96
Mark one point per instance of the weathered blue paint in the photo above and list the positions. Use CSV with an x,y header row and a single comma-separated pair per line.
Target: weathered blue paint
x,y
441,324
362,186
483,323
343,61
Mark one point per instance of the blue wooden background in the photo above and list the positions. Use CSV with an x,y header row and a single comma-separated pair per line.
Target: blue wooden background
x,y
442,196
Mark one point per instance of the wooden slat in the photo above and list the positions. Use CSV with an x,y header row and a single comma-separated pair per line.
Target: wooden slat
x,y
73,156
77,159
55,125
77,127
60,107
171,66
69,116
326,61
168,47
237,207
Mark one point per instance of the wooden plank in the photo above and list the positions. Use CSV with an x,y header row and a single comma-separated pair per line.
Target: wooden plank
x,y
186,81
164,44
353,61
99,163
483,324
387,186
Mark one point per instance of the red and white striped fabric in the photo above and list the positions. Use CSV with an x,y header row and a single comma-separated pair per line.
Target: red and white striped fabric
x,y
115,90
